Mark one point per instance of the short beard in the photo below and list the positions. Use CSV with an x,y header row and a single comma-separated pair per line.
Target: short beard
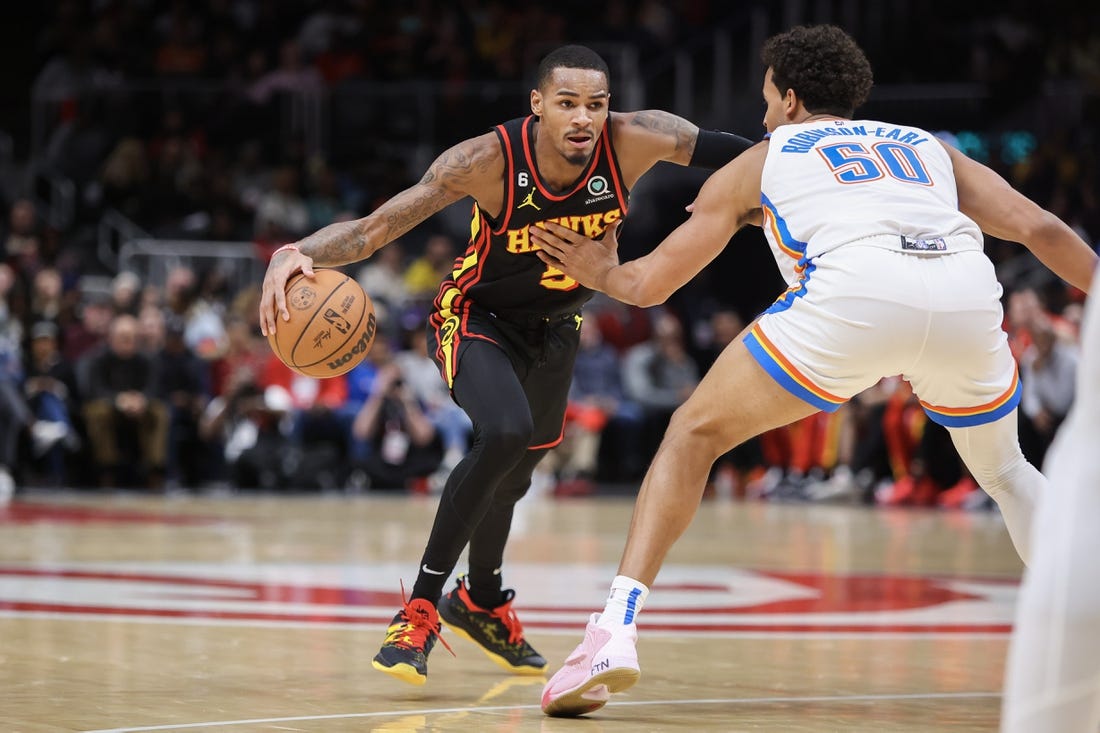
x,y
578,158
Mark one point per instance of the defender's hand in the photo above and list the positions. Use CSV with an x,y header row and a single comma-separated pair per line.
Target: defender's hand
x,y
584,259
273,296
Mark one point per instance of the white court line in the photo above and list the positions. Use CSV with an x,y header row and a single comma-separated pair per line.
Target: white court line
x,y
368,625
498,708
376,625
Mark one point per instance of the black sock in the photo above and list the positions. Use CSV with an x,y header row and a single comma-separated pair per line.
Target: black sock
x,y
429,586
486,588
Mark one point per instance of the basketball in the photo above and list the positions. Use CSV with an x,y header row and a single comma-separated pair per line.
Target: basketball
x,y
331,326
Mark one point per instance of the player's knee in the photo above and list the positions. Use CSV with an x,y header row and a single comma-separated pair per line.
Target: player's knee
x,y
704,434
507,437
507,496
1000,477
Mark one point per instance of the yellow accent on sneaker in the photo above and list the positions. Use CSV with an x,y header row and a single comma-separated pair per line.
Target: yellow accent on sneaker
x,y
496,658
409,639
403,672
496,631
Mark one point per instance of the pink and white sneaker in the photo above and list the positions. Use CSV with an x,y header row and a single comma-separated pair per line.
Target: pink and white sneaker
x,y
601,664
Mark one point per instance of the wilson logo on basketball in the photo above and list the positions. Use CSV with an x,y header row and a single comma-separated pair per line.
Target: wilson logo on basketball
x,y
361,346
302,298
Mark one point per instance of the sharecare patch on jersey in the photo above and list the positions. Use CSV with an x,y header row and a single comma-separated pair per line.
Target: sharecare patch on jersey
x,y
924,245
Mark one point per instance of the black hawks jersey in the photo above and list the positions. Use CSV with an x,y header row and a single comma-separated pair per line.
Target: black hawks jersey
x,y
499,270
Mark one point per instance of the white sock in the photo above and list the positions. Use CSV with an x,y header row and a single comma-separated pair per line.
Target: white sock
x,y
624,602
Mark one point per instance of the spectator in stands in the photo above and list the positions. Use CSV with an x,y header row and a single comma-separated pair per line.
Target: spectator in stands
x,y
731,473
183,385
405,446
317,433
16,415
421,374
179,290
903,426
151,330
251,177
716,333
245,352
86,333
323,202
659,375
22,237
46,295
622,326
204,330
125,293
125,178
242,428
426,272
53,396
1025,311
1048,373
281,214
869,461
382,278
361,381
598,410
78,145
802,452
122,410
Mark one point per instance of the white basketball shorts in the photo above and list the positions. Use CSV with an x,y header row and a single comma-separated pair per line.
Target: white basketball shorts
x,y
863,312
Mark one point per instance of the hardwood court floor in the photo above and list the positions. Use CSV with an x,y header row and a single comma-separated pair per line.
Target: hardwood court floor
x,y
124,613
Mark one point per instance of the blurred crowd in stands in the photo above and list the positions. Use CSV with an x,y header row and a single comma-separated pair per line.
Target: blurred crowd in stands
x,y
168,383
172,386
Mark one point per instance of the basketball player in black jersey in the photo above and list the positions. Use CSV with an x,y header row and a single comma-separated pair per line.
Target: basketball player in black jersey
x,y
505,326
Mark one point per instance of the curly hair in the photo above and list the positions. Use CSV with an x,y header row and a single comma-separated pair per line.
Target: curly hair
x,y
824,66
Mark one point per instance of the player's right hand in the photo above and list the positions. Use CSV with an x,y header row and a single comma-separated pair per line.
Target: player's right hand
x,y
582,258
273,296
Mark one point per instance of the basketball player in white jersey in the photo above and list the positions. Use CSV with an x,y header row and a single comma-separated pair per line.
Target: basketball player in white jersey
x,y
1053,677
877,228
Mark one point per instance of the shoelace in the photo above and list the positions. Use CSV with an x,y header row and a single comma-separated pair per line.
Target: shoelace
x,y
418,628
511,622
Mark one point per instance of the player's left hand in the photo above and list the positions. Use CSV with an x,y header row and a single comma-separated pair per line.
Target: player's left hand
x,y
582,258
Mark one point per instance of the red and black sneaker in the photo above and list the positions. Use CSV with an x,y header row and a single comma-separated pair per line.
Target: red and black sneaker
x,y
497,630
409,639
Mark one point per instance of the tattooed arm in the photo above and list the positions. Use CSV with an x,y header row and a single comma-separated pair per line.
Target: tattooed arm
x,y
459,172
471,168
645,137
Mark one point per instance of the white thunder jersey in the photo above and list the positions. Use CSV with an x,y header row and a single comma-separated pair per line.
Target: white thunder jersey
x,y
832,182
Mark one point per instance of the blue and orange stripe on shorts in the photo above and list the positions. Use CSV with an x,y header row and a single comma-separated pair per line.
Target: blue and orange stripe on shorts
x,y
785,373
965,417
